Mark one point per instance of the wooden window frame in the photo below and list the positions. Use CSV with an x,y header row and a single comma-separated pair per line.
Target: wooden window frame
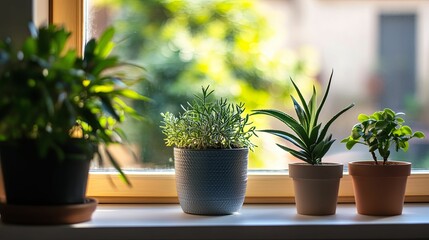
x,y
159,187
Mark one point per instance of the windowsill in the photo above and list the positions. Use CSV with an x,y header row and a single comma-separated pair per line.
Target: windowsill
x,y
255,221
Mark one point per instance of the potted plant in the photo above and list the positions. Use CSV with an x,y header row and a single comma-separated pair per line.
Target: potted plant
x,y
211,140
56,109
316,184
379,187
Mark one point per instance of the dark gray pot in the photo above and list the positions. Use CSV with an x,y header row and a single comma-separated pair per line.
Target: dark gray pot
x,y
212,181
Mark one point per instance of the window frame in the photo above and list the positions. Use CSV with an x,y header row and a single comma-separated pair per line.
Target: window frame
x,y
159,187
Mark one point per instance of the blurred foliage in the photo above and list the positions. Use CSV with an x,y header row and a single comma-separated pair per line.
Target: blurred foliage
x,y
186,44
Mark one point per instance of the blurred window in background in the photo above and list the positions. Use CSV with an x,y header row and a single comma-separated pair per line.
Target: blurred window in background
x,y
247,50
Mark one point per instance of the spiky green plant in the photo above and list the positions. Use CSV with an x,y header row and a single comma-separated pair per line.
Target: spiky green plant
x,y
308,135
208,124
379,131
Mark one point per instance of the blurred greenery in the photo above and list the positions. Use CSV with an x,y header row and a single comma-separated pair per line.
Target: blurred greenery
x,y
186,44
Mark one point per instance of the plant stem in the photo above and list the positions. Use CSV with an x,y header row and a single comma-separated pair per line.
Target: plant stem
x,y
374,157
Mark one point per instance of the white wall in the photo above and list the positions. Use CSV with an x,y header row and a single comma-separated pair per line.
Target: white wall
x,y
344,33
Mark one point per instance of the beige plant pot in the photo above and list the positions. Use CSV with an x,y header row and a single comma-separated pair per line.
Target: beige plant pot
x,y
379,189
316,187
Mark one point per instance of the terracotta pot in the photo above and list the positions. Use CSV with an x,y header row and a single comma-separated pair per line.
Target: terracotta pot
x,y
316,187
379,189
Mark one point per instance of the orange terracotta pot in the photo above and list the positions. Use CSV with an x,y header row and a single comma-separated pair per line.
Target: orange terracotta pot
x,y
379,189
316,187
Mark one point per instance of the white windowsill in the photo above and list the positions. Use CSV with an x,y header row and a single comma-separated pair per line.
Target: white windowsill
x,y
255,221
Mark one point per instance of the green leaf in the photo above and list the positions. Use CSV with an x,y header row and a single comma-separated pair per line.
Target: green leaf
x,y
406,146
325,96
326,148
299,154
406,130
390,113
288,120
108,107
304,104
363,117
30,47
105,45
89,50
118,168
132,95
312,107
318,149
303,119
419,134
315,134
287,136
350,144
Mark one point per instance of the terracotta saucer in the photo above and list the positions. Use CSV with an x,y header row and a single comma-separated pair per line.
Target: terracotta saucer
x,y
48,215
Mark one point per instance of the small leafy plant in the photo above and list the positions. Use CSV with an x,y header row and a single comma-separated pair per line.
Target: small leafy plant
x,y
380,131
308,135
51,96
207,123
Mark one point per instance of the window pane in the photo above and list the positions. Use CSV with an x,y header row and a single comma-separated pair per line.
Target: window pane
x,y
247,50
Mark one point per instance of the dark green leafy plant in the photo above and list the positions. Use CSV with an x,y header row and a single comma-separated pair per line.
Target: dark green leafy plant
x,y
308,135
208,124
380,131
50,95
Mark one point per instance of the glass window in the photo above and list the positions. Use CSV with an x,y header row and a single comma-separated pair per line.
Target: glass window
x,y
247,50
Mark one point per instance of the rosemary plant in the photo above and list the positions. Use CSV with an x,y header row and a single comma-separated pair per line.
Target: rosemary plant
x,y
308,135
207,123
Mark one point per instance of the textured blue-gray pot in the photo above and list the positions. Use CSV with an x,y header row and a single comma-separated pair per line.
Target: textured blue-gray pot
x,y
211,181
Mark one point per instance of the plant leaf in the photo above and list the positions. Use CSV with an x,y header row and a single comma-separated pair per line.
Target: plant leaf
x,y
302,116
287,136
312,107
304,104
117,167
316,119
419,134
299,154
288,120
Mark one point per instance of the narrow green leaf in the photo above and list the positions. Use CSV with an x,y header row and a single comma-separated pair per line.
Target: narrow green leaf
x,y
301,155
288,120
89,50
132,95
326,148
118,168
316,119
287,136
304,104
318,149
315,134
302,116
312,107
105,101
105,44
